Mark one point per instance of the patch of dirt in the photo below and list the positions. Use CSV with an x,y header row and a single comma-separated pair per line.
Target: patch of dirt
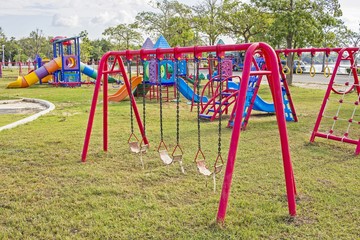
x,y
20,107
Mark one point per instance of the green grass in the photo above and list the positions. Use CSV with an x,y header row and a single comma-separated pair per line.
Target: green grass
x,y
46,193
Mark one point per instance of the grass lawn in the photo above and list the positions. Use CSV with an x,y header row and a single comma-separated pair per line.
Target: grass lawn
x,y
46,193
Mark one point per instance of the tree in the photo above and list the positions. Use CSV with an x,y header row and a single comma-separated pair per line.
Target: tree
x,y
99,47
244,22
299,23
172,19
2,37
181,27
35,44
85,47
2,42
12,47
349,37
208,19
124,35
37,41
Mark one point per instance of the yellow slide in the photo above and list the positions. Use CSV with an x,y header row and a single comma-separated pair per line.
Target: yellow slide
x,y
122,92
35,76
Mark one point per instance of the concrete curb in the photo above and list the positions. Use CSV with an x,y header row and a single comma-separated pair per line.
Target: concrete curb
x,y
49,107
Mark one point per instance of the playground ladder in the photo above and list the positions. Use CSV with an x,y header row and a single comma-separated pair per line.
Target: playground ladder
x,y
211,109
344,54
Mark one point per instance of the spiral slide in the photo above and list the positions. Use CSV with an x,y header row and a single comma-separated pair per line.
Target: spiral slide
x,y
122,93
35,76
46,70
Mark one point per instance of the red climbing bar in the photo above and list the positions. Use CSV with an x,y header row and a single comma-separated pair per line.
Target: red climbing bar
x,y
337,138
259,73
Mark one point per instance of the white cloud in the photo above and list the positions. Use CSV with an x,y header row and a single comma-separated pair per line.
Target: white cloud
x,y
105,18
65,20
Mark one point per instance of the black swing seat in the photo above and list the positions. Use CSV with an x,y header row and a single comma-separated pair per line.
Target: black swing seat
x,y
164,156
202,168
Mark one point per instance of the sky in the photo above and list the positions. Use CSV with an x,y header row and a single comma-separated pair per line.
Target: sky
x,y
69,17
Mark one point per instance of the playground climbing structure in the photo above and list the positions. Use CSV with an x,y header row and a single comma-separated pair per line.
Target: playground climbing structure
x,y
338,118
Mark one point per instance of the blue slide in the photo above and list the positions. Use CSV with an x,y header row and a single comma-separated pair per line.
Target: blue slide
x,y
188,93
259,104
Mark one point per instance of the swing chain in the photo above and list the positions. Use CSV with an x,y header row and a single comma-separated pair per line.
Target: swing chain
x,y
144,96
220,105
312,67
285,68
131,99
298,67
326,68
177,103
161,110
196,72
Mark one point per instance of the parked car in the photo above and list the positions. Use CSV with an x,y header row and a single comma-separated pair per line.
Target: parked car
x,y
296,62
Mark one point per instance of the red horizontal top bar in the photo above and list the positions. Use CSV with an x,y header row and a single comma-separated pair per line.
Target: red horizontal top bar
x,y
314,50
178,51
218,49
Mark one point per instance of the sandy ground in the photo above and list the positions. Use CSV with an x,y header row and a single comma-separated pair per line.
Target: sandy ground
x,y
20,106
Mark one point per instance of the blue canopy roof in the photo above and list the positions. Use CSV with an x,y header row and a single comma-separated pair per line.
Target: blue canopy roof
x,y
161,43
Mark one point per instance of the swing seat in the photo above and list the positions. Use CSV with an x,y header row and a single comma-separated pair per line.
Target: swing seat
x,y
144,148
202,168
218,168
134,147
177,158
164,156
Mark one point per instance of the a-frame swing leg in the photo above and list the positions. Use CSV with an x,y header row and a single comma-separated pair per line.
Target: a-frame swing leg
x,y
103,73
274,82
93,109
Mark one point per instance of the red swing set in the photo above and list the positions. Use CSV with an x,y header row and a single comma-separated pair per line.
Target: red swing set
x,y
272,73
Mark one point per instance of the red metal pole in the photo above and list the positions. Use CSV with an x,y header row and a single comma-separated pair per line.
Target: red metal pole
x,y
105,109
93,108
235,135
286,86
353,68
274,82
